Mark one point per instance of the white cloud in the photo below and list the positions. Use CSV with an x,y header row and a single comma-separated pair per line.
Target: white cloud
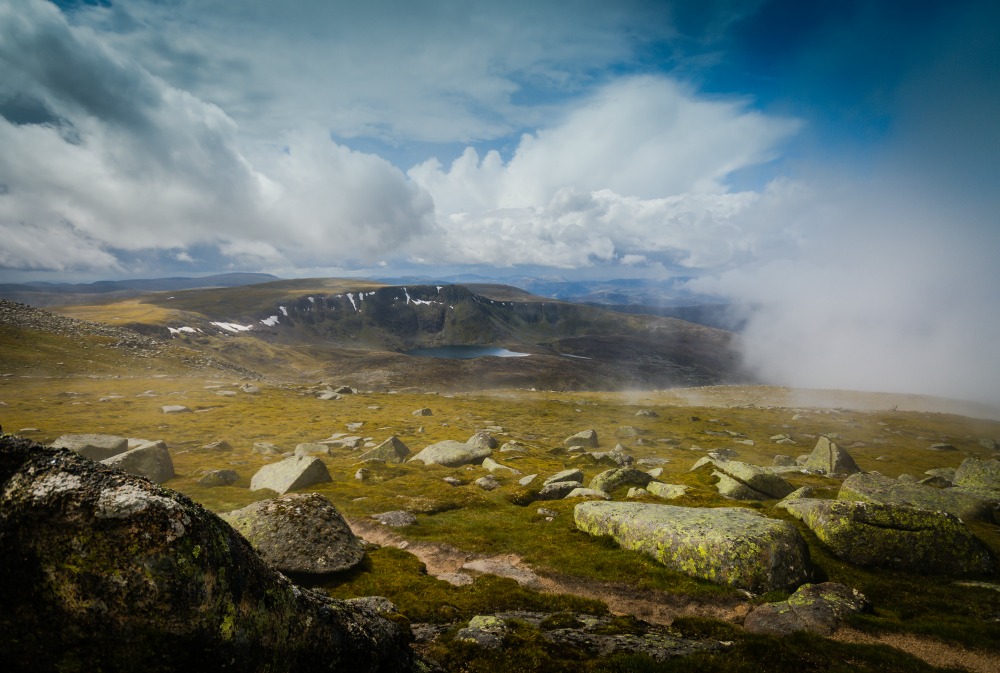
x,y
638,169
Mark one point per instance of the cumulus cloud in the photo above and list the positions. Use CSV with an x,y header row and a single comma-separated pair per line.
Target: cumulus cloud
x,y
640,168
101,155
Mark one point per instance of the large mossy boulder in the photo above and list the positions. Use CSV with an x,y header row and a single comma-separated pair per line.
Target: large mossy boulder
x,y
732,546
451,453
299,533
150,460
584,438
828,458
106,571
290,474
894,536
93,446
979,474
874,487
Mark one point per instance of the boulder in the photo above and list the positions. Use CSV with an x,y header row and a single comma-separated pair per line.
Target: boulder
x,y
829,458
557,490
392,450
312,449
609,480
189,594
735,490
732,546
513,446
877,488
250,389
452,454
423,412
95,447
493,466
979,474
587,493
175,409
784,461
220,445
487,483
666,491
482,440
817,608
565,475
299,533
629,431
266,449
893,536
762,483
151,461
613,457
584,438
290,474
217,478
646,413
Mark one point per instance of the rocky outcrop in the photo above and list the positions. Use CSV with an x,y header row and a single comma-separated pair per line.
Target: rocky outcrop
x,y
299,533
829,458
392,450
893,536
151,460
106,571
217,478
817,608
727,545
666,491
452,454
290,474
95,447
874,487
977,474
566,475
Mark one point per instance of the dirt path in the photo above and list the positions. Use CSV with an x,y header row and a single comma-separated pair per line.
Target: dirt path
x,y
445,561
934,652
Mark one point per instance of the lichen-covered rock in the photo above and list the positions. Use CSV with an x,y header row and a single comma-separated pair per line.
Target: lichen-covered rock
x,y
266,449
95,447
151,460
829,458
106,571
392,450
609,480
666,491
585,438
557,490
312,449
735,490
396,518
818,608
299,533
452,454
565,475
893,536
487,483
979,474
587,493
761,481
880,489
484,630
732,546
290,474
493,466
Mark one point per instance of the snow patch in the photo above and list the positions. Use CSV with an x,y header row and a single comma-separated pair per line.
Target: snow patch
x,y
312,300
439,287
182,330
284,311
351,297
270,322
233,327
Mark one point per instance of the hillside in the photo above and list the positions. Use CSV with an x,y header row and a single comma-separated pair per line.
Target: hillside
x,y
321,328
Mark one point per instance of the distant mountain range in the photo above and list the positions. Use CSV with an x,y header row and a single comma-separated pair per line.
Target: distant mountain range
x,y
38,293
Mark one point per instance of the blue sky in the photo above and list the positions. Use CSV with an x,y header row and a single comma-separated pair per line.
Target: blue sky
x,y
834,160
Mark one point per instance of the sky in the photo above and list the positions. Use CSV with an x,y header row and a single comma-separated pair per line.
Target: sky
x,y
832,164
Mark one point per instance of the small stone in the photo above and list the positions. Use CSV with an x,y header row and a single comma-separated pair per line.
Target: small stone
x,y
395,519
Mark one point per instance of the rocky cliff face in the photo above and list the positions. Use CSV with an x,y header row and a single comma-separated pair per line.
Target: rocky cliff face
x,y
106,571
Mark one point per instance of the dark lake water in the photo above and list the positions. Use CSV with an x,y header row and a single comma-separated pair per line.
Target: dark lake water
x,y
464,352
